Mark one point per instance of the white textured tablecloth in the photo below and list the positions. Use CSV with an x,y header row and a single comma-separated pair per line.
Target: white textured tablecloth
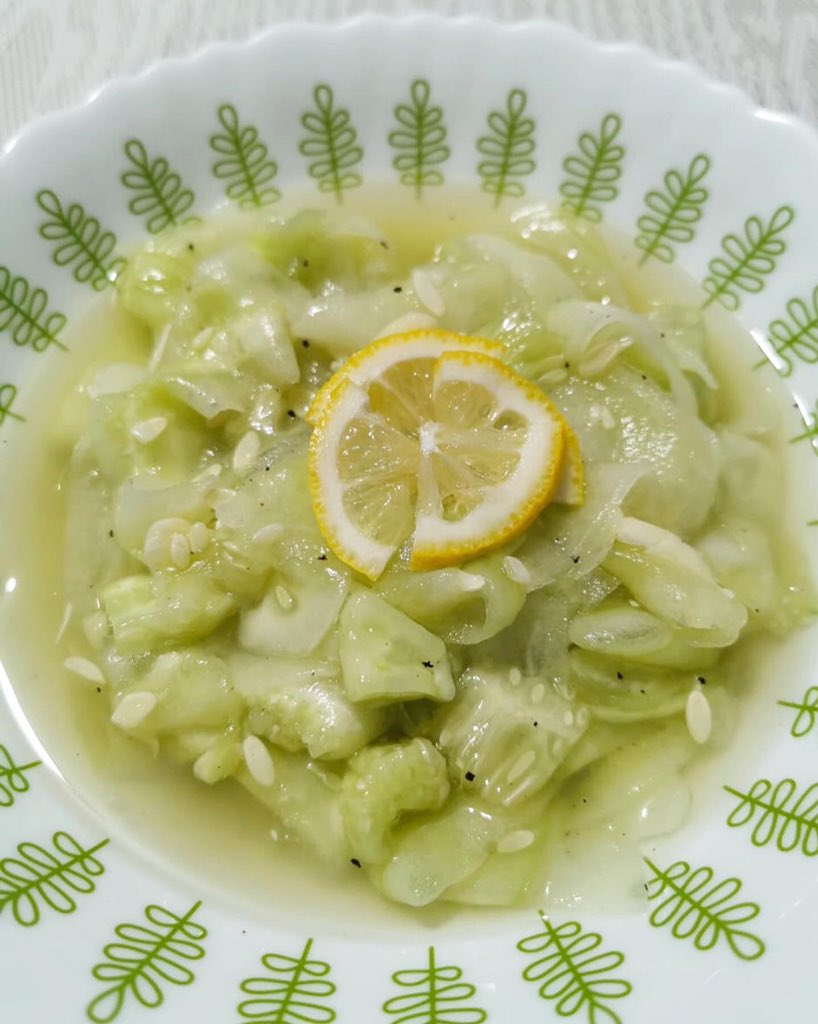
x,y
54,52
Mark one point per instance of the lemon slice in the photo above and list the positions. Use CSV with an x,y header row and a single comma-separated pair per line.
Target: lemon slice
x,y
383,356
571,488
452,451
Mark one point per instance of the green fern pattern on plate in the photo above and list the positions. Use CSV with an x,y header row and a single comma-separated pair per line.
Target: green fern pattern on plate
x,y
795,336
79,243
673,211
244,163
507,149
807,708
747,259
779,814
811,432
8,393
13,779
437,995
24,313
419,140
331,144
572,971
594,170
39,878
295,991
145,958
158,193
706,913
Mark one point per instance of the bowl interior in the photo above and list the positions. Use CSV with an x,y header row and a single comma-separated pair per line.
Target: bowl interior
x,y
293,119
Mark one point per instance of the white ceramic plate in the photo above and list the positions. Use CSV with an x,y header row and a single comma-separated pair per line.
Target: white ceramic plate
x,y
95,921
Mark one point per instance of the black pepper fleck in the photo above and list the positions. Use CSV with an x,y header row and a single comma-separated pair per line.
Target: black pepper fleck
x,y
191,246
397,288
305,263
470,776
99,689
702,681
322,557
384,244
644,376
619,675
575,559
110,533
355,862
305,342
291,413
567,365
427,664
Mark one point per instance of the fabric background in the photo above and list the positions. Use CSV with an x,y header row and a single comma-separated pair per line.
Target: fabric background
x,y
53,53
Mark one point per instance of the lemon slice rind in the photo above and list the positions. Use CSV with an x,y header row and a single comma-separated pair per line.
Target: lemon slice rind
x,y
358,549
367,364
571,487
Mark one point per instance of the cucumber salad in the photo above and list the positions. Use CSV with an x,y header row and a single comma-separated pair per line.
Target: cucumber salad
x,y
435,607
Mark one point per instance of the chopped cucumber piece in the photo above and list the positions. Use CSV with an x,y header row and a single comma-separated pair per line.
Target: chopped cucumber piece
x,y
463,605
386,656
619,630
506,734
297,612
300,704
384,782
616,690
153,287
504,878
156,612
143,500
671,583
304,799
208,393
427,857
192,690
219,761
